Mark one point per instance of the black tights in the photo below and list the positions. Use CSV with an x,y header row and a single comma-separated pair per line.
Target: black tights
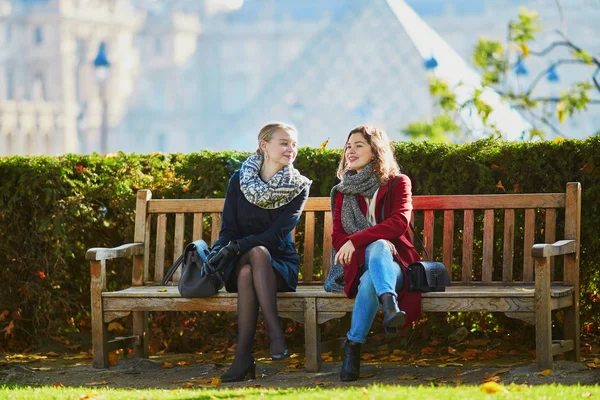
x,y
257,284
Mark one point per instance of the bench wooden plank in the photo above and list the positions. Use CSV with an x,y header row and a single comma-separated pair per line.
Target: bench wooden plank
x,y
178,242
550,236
448,244
327,243
147,239
198,225
215,227
488,246
484,201
309,243
529,238
543,315
508,245
467,248
159,262
571,266
428,227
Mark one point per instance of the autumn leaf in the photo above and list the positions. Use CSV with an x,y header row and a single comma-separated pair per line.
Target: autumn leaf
x,y
525,50
394,358
367,375
493,387
428,350
41,274
9,330
364,391
452,350
162,290
545,372
592,365
496,373
115,326
97,383
500,186
323,145
407,377
216,381
52,354
113,359
58,384
182,363
588,167
560,114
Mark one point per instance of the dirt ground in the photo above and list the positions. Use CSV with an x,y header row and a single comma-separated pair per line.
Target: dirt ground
x,y
170,371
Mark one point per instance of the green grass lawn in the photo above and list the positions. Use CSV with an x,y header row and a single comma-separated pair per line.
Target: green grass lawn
x,y
558,392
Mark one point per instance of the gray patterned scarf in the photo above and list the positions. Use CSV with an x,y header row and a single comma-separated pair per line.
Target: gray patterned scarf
x,y
364,183
279,191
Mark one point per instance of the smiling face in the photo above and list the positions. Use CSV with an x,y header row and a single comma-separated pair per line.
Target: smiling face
x,y
282,148
358,152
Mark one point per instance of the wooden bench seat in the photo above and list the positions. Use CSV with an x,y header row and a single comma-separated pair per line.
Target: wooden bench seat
x,y
483,268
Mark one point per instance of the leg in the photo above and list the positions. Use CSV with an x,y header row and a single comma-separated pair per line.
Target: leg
x,y
140,329
365,308
266,285
247,313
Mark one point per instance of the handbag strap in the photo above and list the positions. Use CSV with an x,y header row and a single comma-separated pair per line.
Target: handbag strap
x,y
410,224
173,268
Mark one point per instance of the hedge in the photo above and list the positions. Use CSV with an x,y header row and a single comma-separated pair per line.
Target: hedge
x,y
54,208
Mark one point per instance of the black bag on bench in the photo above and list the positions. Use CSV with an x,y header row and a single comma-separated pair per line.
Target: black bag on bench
x,y
193,282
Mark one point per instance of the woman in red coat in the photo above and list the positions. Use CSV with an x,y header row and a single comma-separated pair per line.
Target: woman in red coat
x,y
370,236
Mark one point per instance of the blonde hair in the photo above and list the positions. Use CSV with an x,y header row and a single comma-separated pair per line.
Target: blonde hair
x,y
267,131
384,163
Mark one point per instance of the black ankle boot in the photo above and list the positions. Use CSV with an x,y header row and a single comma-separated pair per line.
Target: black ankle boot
x,y
351,363
237,373
392,316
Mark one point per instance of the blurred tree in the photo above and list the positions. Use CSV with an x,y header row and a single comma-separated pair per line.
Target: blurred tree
x,y
496,60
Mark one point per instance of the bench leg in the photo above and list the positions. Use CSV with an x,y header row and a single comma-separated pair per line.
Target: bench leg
x,y
99,328
543,316
571,329
312,336
140,329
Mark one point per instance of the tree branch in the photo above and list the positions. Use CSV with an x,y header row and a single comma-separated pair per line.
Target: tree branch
x,y
595,80
548,49
557,99
537,79
545,121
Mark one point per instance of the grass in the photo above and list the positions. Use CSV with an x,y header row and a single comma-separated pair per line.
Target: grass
x,y
558,392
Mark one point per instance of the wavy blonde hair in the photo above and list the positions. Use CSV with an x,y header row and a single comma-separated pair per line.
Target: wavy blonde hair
x,y
384,163
267,131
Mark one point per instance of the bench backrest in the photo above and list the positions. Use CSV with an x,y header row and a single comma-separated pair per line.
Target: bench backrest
x,y
479,238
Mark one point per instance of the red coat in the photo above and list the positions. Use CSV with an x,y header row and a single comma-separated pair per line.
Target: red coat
x,y
394,228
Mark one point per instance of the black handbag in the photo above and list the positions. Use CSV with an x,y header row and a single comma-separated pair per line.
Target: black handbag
x,y
193,282
423,276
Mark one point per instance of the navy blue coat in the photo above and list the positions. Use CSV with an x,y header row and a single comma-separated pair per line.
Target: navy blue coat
x,y
253,226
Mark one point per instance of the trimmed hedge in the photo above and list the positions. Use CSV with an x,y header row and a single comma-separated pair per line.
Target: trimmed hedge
x,y
54,208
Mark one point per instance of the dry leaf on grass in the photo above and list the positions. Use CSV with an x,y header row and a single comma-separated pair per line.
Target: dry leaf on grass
x,y
166,364
496,373
58,384
493,387
216,381
545,372
364,391
97,383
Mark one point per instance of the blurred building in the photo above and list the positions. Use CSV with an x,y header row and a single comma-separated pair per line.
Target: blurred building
x,y
187,75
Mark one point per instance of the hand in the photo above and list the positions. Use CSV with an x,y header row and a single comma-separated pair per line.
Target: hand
x,y
224,257
213,252
344,256
392,247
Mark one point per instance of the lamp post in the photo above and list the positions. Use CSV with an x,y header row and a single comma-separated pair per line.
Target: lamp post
x,y
102,67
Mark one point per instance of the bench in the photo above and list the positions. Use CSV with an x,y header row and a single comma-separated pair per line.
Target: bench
x,y
485,241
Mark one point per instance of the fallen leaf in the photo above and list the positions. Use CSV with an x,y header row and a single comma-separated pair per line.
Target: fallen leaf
x,y
187,385
166,364
586,394
495,373
115,326
450,364
113,359
588,167
431,378
96,383
41,369
545,372
367,356
52,354
162,290
493,387
592,365
364,391
321,383
500,186
58,384
216,381
183,363
452,350
428,350
407,377
393,358
367,375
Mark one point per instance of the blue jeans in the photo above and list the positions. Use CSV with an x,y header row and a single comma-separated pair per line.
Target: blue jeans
x,y
381,275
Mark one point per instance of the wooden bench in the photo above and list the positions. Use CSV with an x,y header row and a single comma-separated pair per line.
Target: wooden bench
x,y
486,242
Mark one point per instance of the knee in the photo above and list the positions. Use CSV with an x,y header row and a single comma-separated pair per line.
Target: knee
x,y
378,247
259,253
244,276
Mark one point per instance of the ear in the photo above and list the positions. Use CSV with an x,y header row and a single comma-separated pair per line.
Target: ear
x,y
262,144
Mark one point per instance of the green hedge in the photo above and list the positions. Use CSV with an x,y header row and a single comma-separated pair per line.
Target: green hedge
x,y
54,208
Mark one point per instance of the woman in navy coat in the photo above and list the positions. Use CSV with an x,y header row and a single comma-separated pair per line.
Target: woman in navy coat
x,y
263,204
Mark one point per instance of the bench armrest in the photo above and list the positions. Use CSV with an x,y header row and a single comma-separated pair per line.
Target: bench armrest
x,y
103,253
559,248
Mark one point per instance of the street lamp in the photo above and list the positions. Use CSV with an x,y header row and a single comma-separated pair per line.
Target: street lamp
x,y
102,67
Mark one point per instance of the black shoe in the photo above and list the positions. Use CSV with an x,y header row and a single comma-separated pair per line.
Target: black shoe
x,y
233,376
392,316
351,364
281,356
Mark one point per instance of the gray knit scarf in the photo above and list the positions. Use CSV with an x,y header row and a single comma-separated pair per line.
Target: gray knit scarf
x,y
281,189
364,183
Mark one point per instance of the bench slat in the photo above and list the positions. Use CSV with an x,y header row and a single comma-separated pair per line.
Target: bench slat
x,y
309,242
215,227
178,242
147,239
550,236
508,245
327,228
467,250
198,226
448,240
485,201
159,262
428,234
488,246
529,238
